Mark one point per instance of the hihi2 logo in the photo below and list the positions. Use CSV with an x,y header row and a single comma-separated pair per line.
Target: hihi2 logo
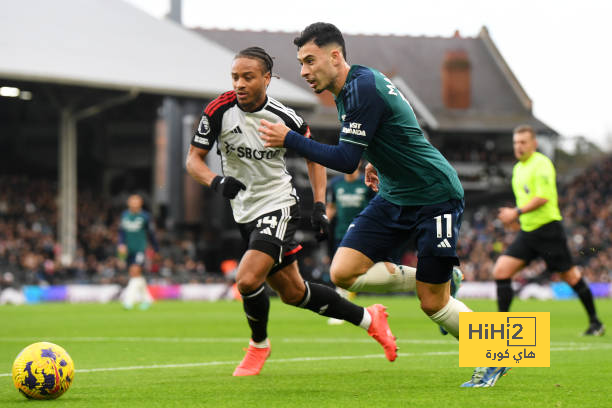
x,y
504,339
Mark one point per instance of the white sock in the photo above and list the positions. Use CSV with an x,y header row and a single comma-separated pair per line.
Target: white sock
x,y
366,320
130,293
143,292
342,292
261,344
448,316
379,279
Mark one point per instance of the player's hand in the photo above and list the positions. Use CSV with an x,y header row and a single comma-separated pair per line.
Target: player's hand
x,y
507,214
227,186
273,134
371,177
319,221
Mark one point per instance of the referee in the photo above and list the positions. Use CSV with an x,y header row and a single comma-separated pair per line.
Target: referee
x,y
541,234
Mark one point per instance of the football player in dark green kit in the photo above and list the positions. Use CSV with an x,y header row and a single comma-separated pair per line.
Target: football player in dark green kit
x,y
418,190
135,229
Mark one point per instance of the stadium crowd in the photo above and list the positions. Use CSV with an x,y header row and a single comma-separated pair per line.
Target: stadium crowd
x,y
29,248
29,251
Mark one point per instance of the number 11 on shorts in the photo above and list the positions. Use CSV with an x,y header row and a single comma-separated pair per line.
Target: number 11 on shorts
x,y
448,219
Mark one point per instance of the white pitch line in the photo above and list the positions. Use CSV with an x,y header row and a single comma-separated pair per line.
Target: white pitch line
x,y
280,360
307,359
214,340
243,340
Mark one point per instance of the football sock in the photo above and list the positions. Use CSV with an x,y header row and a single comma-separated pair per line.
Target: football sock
x,y
380,280
366,321
136,292
504,294
448,316
586,297
256,306
325,301
143,291
262,344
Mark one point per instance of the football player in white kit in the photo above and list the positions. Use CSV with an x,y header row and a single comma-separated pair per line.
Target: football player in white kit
x,y
265,206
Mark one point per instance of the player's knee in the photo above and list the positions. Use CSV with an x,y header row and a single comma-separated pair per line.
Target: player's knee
x,y
339,279
247,284
432,304
500,271
571,276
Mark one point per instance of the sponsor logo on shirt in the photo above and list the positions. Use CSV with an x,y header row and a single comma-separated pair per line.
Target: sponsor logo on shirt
x,y
244,152
354,128
132,225
201,140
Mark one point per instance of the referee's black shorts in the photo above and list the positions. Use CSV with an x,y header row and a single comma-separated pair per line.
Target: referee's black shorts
x,y
548,242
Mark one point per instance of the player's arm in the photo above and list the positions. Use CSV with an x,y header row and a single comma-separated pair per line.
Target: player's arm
x,y
331,209
229,187
509,214
358,128
202,141
543,188
318,180
343,157
196,166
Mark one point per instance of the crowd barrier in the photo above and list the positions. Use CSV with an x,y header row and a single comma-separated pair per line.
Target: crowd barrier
x,y
219,291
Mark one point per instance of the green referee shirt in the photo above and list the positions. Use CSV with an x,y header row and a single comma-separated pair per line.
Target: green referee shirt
x,y
536,177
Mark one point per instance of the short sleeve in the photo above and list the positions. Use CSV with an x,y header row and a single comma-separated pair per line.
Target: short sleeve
x,y
210,122
206,132
545,180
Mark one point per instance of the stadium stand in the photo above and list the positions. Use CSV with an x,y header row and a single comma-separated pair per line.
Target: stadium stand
x,y
29,249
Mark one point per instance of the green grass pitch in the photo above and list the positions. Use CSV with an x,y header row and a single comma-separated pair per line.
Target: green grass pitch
x,y
182,354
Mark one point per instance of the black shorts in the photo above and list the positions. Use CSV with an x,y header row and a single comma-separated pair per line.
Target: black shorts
x,y
547,242
274,234
135,258
382,228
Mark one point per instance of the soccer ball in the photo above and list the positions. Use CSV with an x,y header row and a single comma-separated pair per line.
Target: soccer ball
x,y
43,371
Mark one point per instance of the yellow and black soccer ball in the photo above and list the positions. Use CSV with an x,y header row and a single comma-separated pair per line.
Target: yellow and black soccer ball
x,y
43,371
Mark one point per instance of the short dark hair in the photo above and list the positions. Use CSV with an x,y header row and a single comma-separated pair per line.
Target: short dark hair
x,y
322,34
259,53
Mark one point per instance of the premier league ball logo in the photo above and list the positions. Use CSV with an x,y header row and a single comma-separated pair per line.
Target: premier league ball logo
x,y
204,126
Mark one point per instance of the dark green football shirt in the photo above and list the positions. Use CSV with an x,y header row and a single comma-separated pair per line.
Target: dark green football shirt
x,y
375,115
350,198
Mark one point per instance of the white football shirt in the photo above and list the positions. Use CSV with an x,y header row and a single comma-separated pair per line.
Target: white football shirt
x,y
243,155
